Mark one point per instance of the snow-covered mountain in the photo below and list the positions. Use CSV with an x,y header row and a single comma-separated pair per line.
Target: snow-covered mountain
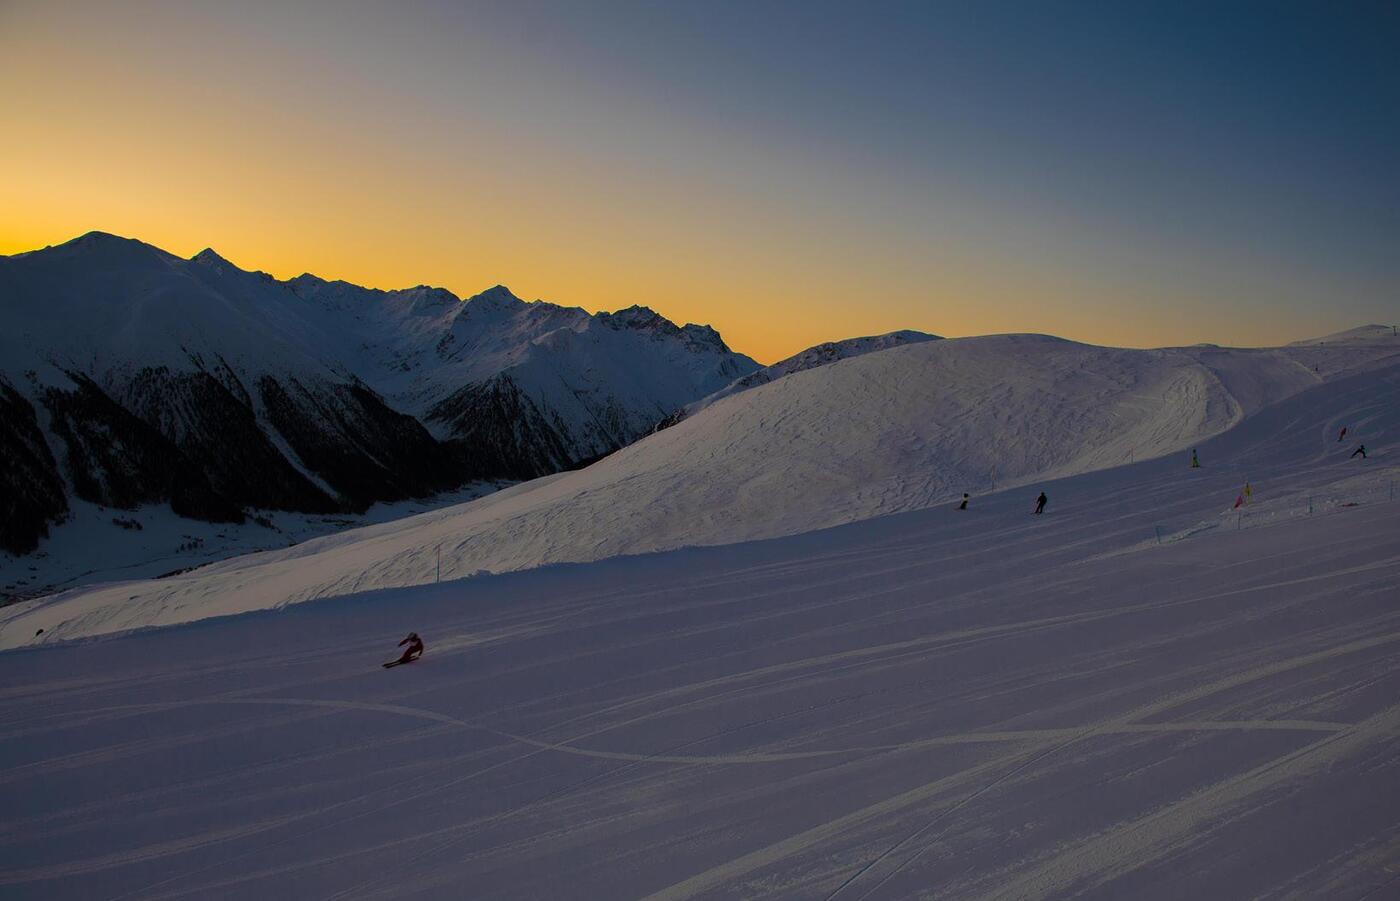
x,y
817,355
887,432
1131,696
131,376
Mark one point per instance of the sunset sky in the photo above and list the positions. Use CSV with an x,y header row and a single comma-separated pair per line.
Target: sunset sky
x,y
1133,174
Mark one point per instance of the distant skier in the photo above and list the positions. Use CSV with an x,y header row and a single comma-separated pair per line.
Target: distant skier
x,y
1195,461
1248,493
1342,434
1360,449
413,652
1040,503
1239,501
963,505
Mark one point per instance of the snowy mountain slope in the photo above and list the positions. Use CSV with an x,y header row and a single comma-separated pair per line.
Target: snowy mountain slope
x,y
817,355
1362,335
308,395
593,384
882,433
969,705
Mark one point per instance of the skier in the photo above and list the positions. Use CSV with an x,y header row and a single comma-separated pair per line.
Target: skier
x,y
1239,502
1195,463
1360,449
1040,503
1342,434
414,651
963,505
1248,493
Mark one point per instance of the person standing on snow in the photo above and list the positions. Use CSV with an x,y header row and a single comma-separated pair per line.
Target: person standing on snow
x,y
1342,434
1248,493
1195,463
1040,503
1360,449
963,505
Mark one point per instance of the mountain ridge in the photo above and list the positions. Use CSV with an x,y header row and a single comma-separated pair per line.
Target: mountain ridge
x,y
310,394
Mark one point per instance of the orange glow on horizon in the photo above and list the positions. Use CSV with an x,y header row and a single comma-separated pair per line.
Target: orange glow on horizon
x,y
351,167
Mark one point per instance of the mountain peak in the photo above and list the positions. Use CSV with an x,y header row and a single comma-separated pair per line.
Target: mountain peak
x,y
105,249
209,257
496,296
639,318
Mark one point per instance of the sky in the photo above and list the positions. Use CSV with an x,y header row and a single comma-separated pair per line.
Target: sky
x,y
1132,174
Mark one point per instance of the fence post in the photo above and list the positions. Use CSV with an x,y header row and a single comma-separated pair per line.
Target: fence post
x,y
1310,505
1238,519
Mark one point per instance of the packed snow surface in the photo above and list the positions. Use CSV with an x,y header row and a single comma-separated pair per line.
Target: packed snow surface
x,y
960,704
885,432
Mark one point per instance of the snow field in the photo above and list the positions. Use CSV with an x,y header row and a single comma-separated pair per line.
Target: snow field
x,y
979,704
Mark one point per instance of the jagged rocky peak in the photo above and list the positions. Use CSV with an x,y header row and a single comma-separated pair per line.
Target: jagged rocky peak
x,y
639,318
645,319
705,336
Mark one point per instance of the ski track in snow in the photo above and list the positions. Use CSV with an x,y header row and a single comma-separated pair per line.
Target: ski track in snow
x,y
946,736
979,705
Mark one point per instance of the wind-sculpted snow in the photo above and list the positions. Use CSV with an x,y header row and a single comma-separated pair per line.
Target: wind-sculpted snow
x,y
887,432
953,704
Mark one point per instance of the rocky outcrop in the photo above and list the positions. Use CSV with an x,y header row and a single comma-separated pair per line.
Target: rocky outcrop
x,y
508,434
364,450
113,458
31,489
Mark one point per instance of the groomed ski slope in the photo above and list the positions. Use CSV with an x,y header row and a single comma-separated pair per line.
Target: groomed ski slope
x,y
967,705
890,431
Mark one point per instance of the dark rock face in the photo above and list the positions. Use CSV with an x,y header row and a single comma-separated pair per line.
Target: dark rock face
x,y
31,490
117,460
363,449
213,424
510,436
